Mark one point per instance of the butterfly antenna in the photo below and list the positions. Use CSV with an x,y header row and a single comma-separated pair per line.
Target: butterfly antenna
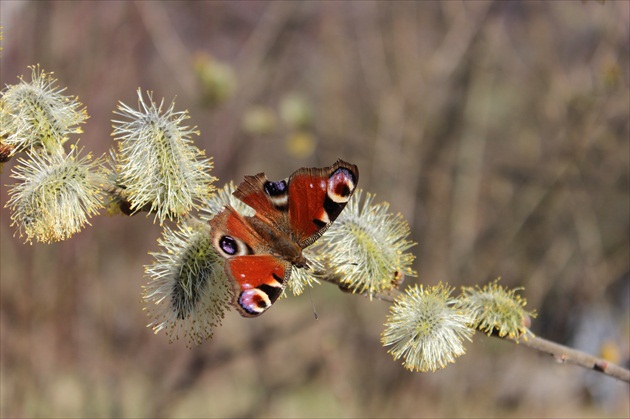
x,y
310,297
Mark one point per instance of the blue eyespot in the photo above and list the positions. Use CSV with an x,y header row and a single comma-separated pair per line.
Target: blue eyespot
x,y
275,188
228,245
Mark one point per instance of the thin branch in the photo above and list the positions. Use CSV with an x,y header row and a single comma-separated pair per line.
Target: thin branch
x,y
335,279
564,354
560,353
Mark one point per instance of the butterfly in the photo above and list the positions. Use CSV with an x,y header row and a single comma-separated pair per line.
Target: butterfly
x,y
290,215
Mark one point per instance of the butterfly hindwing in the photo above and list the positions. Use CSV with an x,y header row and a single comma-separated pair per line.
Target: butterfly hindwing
x,y
259,279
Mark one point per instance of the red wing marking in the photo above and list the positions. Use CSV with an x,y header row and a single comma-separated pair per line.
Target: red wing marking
x,y
317,197
307,192
259,281
255,270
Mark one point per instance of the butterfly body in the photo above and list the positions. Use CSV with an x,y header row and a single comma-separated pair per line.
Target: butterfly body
x,y
290,215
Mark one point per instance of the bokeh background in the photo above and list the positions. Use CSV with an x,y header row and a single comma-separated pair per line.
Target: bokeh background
x,y
498,129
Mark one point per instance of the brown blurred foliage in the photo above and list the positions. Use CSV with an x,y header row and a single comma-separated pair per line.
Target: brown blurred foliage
x,y
498,129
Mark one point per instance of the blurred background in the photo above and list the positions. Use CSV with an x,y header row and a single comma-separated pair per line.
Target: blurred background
x,y
500,130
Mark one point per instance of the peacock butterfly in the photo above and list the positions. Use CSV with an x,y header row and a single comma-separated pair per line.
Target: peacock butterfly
x,y
290,215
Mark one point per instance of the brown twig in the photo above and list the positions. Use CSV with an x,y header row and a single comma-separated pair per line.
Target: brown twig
x,y
564,354
559,352
6,152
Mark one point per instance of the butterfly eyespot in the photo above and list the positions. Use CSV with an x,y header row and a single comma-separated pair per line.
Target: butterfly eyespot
x,y
228,245
341,184
278,194
254,301
275,188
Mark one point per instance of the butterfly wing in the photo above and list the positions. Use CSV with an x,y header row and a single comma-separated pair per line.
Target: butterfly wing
x,y
257,276
290,215
316,197
304,205
268,198
260,281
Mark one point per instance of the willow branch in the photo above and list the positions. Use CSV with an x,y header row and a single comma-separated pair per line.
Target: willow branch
x,y
560,353
564,354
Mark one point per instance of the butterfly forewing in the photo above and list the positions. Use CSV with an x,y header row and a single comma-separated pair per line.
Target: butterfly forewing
x,y
233,235
269,199
317,197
